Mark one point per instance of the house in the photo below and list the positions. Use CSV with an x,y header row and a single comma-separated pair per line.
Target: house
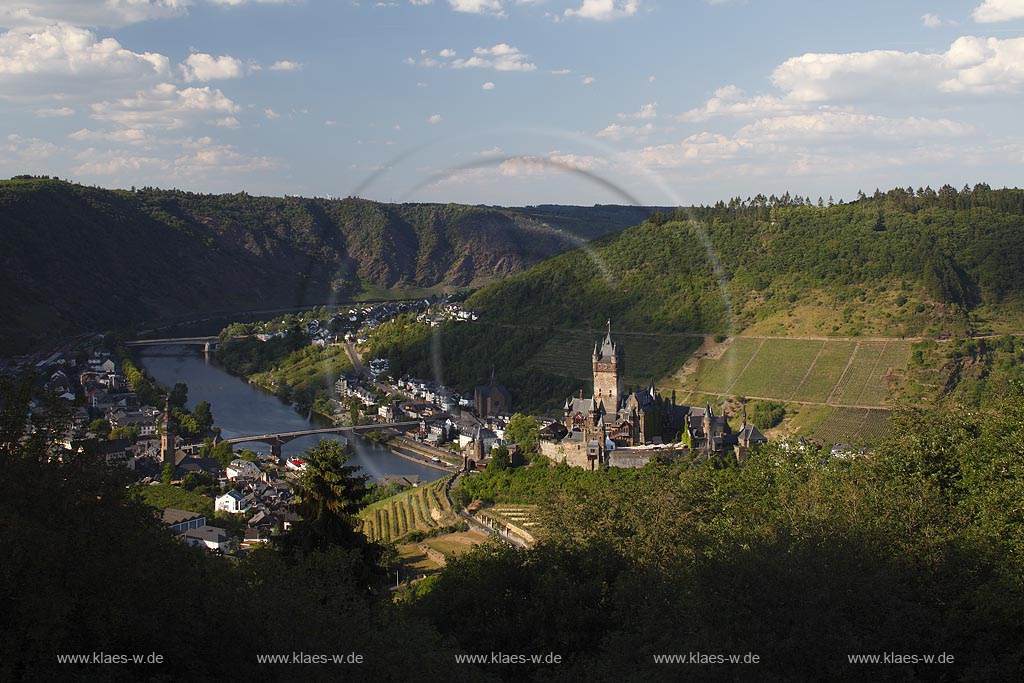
x,y
410,480
242,469
296,464
209,537
234,502
182,520
256,535
120,451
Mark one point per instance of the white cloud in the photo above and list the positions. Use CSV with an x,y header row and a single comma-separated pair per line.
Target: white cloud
x,y
836,125
111,162
732,101
226,122
53,112
992,11
785,139
203,67
604,10
492,152
202,162
616,131
106,13
647,111
587,80
134,136
488,86
69,52
561,72
420,2
165,106
477,6
931,20
28,149
446,53
271,114
109,13
501,57
434,119
286,65
972,64
236,3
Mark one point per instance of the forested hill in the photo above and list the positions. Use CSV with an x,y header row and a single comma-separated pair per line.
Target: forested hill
x,y
903,262
76,257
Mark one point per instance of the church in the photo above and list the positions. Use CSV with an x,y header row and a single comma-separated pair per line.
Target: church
x,y
609,427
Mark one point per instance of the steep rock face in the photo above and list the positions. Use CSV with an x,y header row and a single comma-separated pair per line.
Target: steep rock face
x,y
75,257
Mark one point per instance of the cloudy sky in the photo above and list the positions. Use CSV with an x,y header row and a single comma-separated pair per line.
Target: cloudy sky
x,y
514,101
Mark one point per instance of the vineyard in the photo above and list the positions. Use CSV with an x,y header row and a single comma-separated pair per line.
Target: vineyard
x,y
853,425
424,508
840,372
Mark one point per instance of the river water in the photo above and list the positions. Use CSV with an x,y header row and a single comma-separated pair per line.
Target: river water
x,y
240,408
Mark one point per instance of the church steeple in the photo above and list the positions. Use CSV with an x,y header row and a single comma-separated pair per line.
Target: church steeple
x,y
167,438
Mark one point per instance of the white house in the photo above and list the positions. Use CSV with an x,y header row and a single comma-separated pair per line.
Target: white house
x,y
209,537
242,468
234,502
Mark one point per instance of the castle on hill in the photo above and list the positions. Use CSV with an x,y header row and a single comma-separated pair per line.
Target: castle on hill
x,y
617,428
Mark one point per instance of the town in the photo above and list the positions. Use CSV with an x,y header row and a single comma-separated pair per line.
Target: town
x,y
115,414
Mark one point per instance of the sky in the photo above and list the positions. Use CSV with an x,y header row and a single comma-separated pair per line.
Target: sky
x,y
514,102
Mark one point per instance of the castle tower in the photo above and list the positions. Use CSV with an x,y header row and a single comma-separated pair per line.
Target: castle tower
x,y
609,370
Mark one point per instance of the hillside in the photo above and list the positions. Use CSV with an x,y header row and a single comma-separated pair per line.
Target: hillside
x,y
76,257
899,264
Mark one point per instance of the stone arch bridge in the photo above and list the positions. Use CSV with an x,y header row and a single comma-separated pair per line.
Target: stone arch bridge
x,y
277,439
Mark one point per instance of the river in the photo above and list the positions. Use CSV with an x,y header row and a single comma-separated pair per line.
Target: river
x,y
240,408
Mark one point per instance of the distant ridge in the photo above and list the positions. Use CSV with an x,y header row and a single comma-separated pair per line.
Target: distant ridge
x,y
77,257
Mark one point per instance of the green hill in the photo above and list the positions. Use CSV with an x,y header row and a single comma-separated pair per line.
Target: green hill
x,y
76,257
903,263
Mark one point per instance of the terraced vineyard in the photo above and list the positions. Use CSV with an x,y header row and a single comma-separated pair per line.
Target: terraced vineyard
x,y
424,507
522,516
840,372
852,425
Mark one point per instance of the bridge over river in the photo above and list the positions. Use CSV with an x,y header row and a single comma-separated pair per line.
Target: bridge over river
x,y
206,342
277,439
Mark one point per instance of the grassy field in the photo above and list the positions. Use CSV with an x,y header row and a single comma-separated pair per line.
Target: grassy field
x,y
424,507
837,372
451,545
309,367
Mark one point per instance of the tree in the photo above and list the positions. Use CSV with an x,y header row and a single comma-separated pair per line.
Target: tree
x,y
203,415
167,474
523,430
499,459
327,496
100,428
130,432
179,395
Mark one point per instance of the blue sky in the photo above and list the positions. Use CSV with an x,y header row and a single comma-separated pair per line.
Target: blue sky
x,y
514,101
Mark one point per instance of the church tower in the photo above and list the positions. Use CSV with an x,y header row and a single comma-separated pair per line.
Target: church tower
x,y
167,438
609,369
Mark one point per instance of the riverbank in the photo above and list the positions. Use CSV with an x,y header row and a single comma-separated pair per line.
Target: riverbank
x,y
242,408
